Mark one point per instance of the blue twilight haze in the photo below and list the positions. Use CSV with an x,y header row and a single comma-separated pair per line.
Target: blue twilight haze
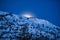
x,y
43,9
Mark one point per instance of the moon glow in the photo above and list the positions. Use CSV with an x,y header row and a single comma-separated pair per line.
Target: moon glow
x,y
28,14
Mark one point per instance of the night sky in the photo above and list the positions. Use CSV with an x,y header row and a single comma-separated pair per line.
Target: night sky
x,y
43,9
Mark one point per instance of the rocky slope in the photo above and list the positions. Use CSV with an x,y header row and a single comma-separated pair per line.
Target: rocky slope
x,y
14,27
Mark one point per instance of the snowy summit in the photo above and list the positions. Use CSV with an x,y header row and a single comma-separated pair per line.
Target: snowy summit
x,y
14,27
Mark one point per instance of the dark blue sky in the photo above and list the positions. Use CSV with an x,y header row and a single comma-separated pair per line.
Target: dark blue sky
x,y
44,9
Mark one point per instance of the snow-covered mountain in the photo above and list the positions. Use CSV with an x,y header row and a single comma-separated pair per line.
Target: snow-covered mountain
x,y
15,27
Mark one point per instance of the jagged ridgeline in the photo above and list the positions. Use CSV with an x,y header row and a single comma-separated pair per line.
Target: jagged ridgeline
x,y
14,27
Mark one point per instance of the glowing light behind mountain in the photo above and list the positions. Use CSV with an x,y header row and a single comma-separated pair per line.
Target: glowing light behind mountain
x,y
28,14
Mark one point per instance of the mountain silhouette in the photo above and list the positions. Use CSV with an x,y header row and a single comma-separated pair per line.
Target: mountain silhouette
x,y
15,27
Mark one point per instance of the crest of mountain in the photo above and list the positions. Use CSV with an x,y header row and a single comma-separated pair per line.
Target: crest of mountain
x,y
15,27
